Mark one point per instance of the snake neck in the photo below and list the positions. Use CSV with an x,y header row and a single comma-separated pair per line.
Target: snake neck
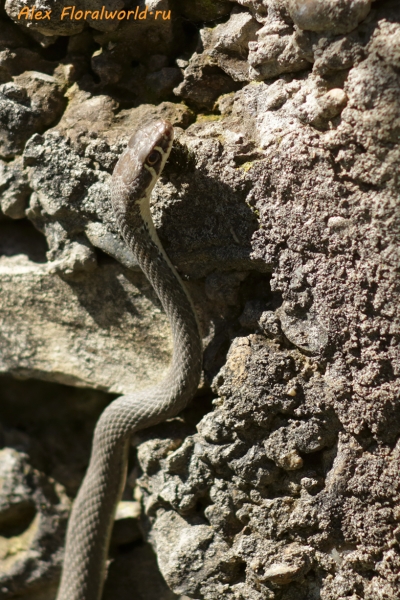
x,y
138,231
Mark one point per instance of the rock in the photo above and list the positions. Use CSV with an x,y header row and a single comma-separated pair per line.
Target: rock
x,y
106,67
179,555
205,11
29,104
270,325
11,36
126,524
227,475
203,82
51,26
14,188
319,111
304,331
50,348
33,515
162,82
18,61
297,561
253,311
228,44
144,580
328,15
276,51
151,35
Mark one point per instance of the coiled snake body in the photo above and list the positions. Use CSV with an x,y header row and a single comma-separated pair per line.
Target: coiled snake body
x,y
92,515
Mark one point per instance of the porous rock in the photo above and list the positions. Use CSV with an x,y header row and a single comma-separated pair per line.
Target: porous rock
x,y
15,189
28,104
277,49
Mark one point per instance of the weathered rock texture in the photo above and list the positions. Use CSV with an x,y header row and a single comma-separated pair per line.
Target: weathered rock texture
x,y
102,330
280,208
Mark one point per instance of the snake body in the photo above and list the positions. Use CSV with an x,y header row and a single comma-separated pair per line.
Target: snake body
x,y
91,520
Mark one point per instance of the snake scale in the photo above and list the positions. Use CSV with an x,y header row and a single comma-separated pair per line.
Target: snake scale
x,y
91,520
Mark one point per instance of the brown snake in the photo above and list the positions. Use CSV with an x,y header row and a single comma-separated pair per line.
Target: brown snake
x,y
91,520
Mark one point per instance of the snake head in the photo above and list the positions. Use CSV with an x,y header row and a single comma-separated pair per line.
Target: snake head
x,y
152,144
136,173
143,160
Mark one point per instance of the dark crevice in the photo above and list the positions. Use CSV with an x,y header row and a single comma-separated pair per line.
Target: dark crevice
x,y
58,50
21,237
17,518
52,423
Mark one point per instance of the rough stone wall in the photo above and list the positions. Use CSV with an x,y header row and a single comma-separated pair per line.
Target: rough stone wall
x,y
280,208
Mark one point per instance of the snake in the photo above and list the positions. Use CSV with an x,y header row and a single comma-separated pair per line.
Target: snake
x,y
91,520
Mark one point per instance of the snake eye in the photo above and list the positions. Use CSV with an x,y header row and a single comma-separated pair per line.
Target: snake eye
x,y
153,158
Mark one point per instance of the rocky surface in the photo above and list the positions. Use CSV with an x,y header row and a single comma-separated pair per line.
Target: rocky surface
x,y
279,206
65,333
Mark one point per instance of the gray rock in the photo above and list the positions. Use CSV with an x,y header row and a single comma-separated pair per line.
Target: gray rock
x,y
150,35
205,11
46,26
44,340
328,15
277,49
251,473
303,330
135,573
14,188
203,82
228,43
29,104
162,82
33,515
